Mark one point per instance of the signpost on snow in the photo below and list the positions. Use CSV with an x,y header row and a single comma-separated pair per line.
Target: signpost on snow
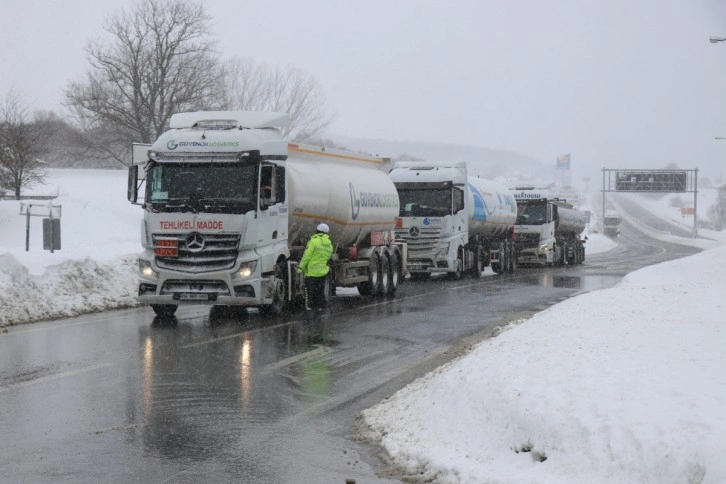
x,y
51,223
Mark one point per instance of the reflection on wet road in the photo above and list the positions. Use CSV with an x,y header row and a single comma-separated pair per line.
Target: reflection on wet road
x,y
224,397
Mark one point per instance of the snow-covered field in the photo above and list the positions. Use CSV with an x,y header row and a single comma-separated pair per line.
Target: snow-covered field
x,y
95,268
621,385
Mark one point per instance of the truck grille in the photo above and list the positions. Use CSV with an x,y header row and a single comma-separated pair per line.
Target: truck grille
x,y
200,252
524,241
421,243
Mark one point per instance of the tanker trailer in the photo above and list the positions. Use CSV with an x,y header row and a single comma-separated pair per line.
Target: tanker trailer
x,y
453,223
547,230
228,206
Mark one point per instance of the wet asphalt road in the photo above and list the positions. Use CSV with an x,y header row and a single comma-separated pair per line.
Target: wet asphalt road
x,y
121,397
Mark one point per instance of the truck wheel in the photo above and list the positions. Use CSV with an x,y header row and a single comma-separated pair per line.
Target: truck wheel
x,y
279,299
384,277
512,257
370,287
164,310
329,287
563,255
500,266
458,270
394,273
478,267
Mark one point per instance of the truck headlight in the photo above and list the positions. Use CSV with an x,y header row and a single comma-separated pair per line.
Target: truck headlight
x,y
444,249
146,269
246,269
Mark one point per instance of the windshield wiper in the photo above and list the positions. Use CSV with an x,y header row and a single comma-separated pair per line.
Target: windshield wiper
x,y
174,205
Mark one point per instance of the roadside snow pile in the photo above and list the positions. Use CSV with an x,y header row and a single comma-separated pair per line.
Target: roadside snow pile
x,y
68,289
625,384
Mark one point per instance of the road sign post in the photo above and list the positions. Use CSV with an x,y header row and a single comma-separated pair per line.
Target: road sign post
x,y
51,223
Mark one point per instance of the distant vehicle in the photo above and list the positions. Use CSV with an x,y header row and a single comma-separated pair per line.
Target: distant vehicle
x,y
547,230
611,223
453,223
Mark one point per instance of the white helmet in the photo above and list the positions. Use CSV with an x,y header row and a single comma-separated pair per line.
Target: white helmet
x,y
324,228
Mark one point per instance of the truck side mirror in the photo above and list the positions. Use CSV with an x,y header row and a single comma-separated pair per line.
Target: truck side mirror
x,y
131,191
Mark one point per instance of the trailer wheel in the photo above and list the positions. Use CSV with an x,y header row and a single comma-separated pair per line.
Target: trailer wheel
x,y
512,257
164,310
370,287
384,277
500,266
478,266
394,274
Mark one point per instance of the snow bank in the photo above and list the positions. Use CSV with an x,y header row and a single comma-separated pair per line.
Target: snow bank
x,y
621,385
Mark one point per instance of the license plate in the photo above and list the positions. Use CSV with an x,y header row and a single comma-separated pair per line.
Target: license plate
x,y
193,296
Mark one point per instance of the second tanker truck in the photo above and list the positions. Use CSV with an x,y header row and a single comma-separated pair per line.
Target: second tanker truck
x,y
453,223
229,205
547,230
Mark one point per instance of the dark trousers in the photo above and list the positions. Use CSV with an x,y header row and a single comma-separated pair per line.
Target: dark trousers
x,y
315,292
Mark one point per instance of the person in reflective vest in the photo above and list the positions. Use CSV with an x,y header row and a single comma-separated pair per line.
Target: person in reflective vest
x,y
314,265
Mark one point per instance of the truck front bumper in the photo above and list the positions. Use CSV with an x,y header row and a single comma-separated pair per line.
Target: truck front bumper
x,y
210,288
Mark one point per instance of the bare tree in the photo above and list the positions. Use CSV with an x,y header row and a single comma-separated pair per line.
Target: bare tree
x,y
160,60
22,142
250,86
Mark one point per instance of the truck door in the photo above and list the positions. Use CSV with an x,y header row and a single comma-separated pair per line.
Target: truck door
x,y
272,205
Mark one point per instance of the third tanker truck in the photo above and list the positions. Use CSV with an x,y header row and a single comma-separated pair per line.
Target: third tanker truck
x,y
547,230
453,223
229,204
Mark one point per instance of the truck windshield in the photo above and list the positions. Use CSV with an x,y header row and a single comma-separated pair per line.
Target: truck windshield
x,y
612,220
212,188
530,213
424,202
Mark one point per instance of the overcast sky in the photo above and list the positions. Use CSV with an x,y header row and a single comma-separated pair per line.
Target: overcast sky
x,y
617,83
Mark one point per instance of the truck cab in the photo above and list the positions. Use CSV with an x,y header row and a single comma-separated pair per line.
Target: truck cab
x,y
433,218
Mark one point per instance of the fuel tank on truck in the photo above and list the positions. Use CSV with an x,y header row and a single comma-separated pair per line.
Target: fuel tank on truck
x,y
350,192
570,220
491,208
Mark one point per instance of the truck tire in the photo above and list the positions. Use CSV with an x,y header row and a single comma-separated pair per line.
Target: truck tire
x,y
563,255
478,263
370,287
164,310
459,269
279,299
394,274
384,277
512,266
499,266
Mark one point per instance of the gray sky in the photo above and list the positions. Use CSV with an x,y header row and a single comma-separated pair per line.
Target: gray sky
x,y
616,83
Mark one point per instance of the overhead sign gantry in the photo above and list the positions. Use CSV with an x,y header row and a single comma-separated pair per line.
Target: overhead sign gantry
x,y
643,181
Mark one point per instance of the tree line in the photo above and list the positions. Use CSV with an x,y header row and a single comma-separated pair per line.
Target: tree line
x,y
157,58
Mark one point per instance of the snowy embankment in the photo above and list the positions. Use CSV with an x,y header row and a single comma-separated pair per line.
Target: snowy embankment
x,y
622,385
95,268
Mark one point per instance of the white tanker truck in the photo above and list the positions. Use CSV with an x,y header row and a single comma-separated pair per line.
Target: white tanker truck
x,y
547,230
229,205
451,222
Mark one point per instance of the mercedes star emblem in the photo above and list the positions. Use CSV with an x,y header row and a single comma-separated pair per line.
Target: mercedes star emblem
x,y
195,242
414,231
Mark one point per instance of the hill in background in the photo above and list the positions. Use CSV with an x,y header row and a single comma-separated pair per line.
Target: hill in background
x,y
483,162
